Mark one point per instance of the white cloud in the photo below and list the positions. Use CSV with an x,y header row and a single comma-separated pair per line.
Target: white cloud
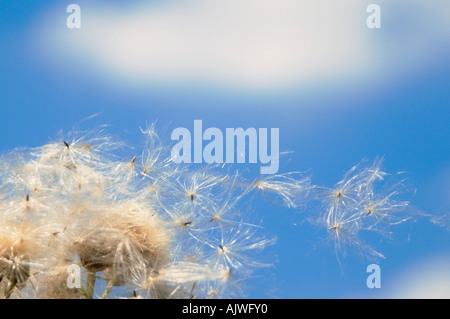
x,y
250,43
428,280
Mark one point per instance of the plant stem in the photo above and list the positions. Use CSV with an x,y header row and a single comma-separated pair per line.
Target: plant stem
x,y
90,285
107,290
9,289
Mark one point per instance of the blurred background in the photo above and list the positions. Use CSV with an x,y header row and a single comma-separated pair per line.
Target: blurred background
x,y
338,91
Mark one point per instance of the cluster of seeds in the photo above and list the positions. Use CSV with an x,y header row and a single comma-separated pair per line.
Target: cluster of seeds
x,y
145,227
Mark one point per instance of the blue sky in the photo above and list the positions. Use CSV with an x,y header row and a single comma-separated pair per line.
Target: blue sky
x,y
338,91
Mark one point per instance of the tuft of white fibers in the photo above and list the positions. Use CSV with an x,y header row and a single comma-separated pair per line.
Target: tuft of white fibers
x,y
136,221
132,220
366,199
441,220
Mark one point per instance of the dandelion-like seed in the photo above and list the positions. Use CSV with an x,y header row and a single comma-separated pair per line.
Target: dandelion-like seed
x,y
359,203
